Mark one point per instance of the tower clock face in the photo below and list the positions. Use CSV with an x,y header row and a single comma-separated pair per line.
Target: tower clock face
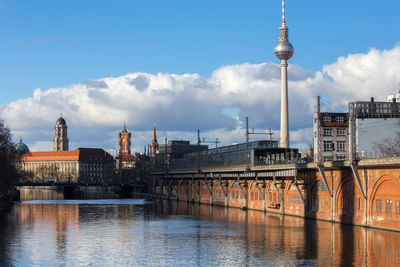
x,y
123,139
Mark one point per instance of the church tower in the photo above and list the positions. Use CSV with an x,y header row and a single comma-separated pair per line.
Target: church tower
x,y
154,143
60,141
124,145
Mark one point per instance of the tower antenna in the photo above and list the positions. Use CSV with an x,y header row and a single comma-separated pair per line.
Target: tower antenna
x,y
283,13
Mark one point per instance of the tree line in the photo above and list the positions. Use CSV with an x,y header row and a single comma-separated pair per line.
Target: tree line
x,y
8,155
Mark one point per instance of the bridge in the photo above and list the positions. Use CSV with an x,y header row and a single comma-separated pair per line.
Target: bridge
x,y
52,190
363,192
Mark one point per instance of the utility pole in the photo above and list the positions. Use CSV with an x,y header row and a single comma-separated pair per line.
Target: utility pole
x,y
319,142
247,145
198,150
211,141
166,154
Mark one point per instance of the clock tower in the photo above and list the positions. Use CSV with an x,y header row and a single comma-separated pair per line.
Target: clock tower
x,y
124,145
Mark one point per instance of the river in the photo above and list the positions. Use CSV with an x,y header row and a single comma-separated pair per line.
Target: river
x,y
139,232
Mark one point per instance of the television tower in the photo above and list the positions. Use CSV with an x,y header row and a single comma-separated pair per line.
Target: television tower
x,y
284,51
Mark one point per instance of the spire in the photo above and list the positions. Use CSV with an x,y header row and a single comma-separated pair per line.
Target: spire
x,y
124,130
20,139
283,14
154,141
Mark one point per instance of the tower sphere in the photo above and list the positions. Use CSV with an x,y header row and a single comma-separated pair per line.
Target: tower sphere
x,y
284,50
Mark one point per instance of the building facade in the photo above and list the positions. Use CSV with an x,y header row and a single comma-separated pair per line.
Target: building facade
x,y
330,137
82,165
354,134
60,140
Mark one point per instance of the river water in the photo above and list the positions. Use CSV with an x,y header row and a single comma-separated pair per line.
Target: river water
x,y
139,232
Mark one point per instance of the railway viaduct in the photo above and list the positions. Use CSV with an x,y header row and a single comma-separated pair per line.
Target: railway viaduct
x,y
364,192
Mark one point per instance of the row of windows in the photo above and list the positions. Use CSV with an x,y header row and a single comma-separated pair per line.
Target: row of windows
x,y
338,157
295,199
388,206
328,119
236,195
272,197
330,146
317,201
339,132
253,195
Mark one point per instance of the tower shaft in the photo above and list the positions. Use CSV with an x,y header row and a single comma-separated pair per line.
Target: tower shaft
x,y
284,138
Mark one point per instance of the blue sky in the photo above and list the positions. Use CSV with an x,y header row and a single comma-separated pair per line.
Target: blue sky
x,y
96,53
56,43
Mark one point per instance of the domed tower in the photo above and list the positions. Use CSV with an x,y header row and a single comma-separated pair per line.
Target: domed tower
x,y
60,141
284,51
21,148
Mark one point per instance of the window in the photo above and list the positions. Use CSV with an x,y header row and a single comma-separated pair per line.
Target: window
x,y
270,196
252,195
237,194
341,146
379,206
339,119
328,146
327,132
397,207
326,119
345,203
327,158
256,195
326,202
357,203
341,132
340,157
388,206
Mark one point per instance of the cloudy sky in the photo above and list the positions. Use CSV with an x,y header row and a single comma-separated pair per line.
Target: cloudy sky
x,y
186,66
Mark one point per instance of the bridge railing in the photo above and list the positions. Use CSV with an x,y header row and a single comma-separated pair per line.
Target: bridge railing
x,y
205,161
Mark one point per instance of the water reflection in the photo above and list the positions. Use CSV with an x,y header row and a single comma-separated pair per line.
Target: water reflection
x,y
136,232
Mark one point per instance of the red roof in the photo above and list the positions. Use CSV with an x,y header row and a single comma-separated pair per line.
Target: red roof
x,y
77,154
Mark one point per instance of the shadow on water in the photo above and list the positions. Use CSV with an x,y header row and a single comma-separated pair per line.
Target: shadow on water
x,y
346,206
322,236
6,229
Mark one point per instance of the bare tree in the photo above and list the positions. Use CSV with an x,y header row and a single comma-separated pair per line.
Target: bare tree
x,y
389,147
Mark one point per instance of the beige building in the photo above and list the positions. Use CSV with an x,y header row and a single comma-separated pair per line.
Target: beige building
x,y
82,165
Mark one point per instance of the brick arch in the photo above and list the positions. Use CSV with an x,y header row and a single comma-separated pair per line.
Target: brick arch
x,y
383,184
316,198
342,180
251,184
288,188
270,186
233,184
339,193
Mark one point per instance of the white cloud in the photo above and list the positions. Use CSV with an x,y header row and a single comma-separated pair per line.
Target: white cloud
x,y
181,104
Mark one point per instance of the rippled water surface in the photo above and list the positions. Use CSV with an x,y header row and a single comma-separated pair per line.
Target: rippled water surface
x,y
138,232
